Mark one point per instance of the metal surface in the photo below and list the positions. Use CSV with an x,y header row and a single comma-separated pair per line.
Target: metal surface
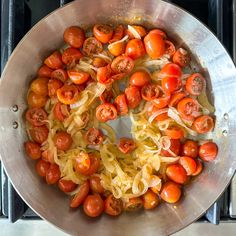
x,y
46,36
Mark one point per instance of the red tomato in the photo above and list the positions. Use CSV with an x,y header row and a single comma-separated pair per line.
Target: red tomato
x,y
174,147
208,151
169,48
172,70
118,34
71,55
203,124
95,185
117,49
78,77
133,96
139,78
74,36
60,111
121,105
68,94
40,86
154,44
195,84
54,61
160,32
150,200
139,29
39,134
181,57
36,116
126,145
59,74
171,84
104,74
42,167
122,64
33,150
198,169
113,206
103,33
93,136
105,112
53,86
62,140
171,192
107,96
176,173
80,196
162,101
174,132
153,109
189,164
135,49
44,71
176,97
66,186
93,205
150,92
99,62
133,204
190,149
53,174
92,46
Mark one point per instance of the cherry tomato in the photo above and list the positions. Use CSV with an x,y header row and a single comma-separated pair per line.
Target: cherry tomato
x,y
36,116
169,48
174,132
121,105
126,145
44,71
176,97
59,74
92,46
103,33
133,96
107,96
39,133
162,101
33,150
153,109
104,75
171,70
150,200
117,48
78,77
160,32
176,173
71,55
54,61
60,111
139,78
190,149
174,147
95,185
74,36
118,34
40,86
53,86
80,196
181,57
113,206
188,108
198,169
53,174
122,64
66,186
135,49
171,84
99,62
62,140
105,112
139,29
93,205
68,94
42,167
93,136
195,84
150,92
208,151
133,204
154,44
171,192
203,124
48,156
189,164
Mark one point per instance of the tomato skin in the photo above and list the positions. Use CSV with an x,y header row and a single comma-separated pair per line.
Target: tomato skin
x,y
134,204
35,100
53,174
79,197
176,173
195,84
74,36
160,32
139,78
59,74
171,192
150,200
118,34
48,156
33,150
121,105
189,164
58,112
162,101
71,55
208,151
172,70
150,92
36,116
54,61
93,205
105,112
53,86
190,148
104,75
68,94
135,49
126,145
39,133
169,48
40,86
203,124
122,64
117,49
92,46
44,71
94,136
133,96
78,77
174,132
62,140
66,186
99,62
198,169
95,185
176,97
103,33
107,96
171,84
152,109
139,29
181,57
113,206
42,167
174,147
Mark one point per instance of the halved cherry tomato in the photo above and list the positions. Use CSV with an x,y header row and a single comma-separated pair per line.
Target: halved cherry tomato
x,y
74,36
126,145
53,174
104,75
133,204
95,185
160,32
135,49
133,96
122,64
181,57
53,86
94,136
121,104
59,74
150,92
139,29
62,140
33,150
189,164
66,186
162,101
78,77
190,149
80,196
154,44
60,111
48,156
188,108
44,71
171,192
105,112
103,33
203,124
92,46
208,151
99,62
172,70
117,48
195,84
68,94
153,109
36,116
113,206
174,147
174,132
198,169
71,55
93,205
176,173
107,96
42,167
150,200
176,97
54,61
118,34
139,78
171,84
40,86
169,48
39,133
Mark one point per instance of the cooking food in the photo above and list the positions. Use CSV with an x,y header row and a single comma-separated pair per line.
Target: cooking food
x,y
104,75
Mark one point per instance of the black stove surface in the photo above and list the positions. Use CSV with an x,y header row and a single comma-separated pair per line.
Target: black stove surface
x,y
18,16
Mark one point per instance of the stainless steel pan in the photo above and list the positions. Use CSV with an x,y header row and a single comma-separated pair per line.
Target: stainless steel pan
x,y
46,36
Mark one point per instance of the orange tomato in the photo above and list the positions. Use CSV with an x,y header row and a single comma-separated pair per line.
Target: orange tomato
x,y
92,46
150,200
39,133
195,84
71,55
103,33
54,61
203,124
150,92
190,148
93,205
208,151
53,174
117,49
171,84
53,86
198,169
40,86
66,186
176,97
139,29
135,49
42,167
121,104
60,111
134,204
189,164
126,145
139,78
78,77
174,147
95,185
162,101
36,116
176,173
104,75
171,192
35,100
94,136
181,57
74,36
44,71
62,140
174,132
33,150
118,34
59,74
133,96
171,70
68,94
113,206
170,48
122,64
105,112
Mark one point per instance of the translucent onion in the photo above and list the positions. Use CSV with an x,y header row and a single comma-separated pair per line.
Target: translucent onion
x,y
119,41
134,32
154,181
157,113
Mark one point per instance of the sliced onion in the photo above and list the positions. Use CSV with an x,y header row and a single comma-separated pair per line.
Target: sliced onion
x,y
157,113
105,57
154,181
134,32
80,102
64,110
169,159
165,142
119,41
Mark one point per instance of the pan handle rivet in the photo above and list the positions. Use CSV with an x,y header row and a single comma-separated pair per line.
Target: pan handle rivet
x,y
226,116
225,132
15,108
15,125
